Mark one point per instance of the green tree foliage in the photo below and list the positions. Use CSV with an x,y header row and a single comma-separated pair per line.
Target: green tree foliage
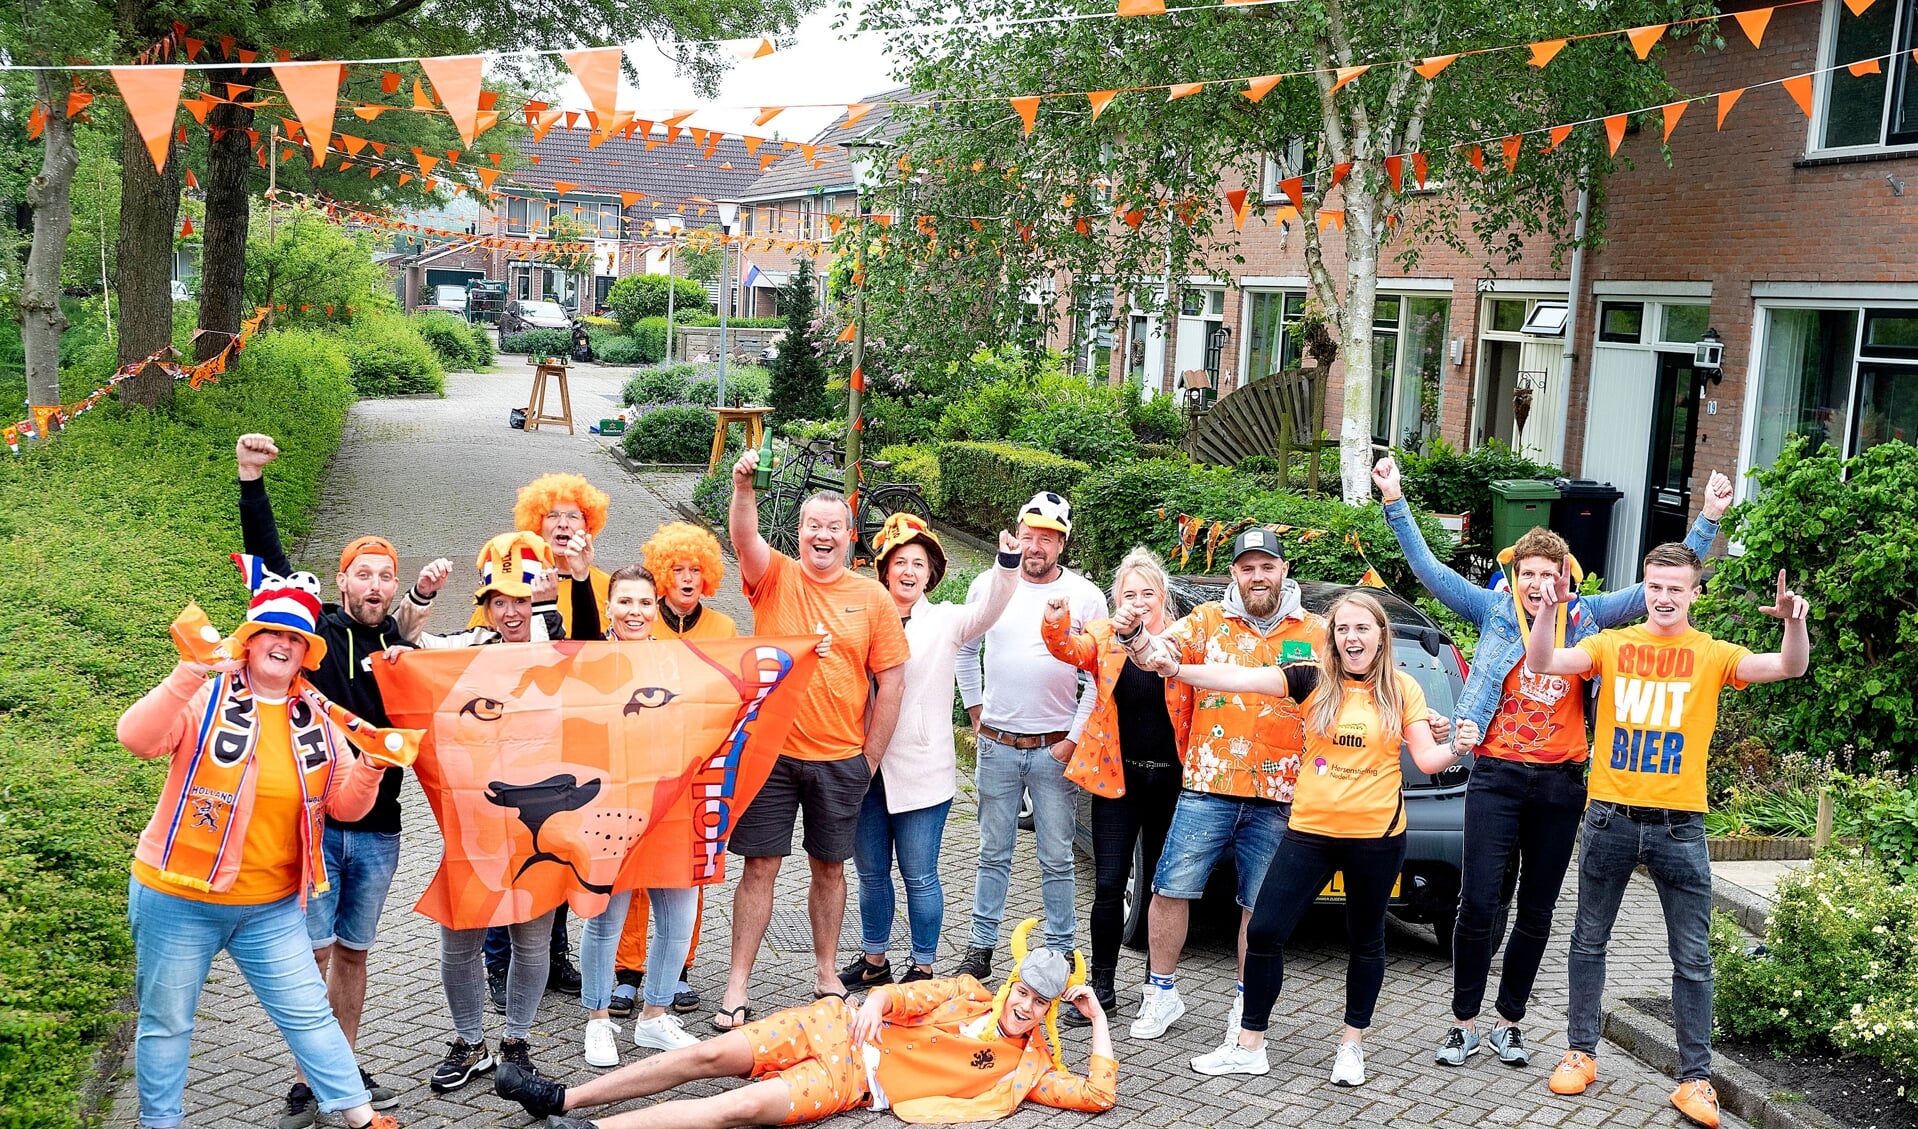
x,y
389,357
1163,165
702,263
311,262
798,371
638,296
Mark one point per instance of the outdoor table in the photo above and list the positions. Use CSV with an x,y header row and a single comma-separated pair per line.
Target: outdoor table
x,y
543,372
753,418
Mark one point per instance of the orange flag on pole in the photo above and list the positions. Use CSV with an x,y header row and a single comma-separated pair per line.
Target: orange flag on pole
x,y
597,69
568,772
152,94
456,82
313,90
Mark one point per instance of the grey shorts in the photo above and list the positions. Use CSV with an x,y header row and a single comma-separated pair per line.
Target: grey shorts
x,y
827,793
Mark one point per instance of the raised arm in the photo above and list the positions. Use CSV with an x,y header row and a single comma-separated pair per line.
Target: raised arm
x,y
1613,609
1540,653
1092,605
259,534
1794,658
163,719
1454,591
742,522
1098,1089
1055,629
977,618
967,671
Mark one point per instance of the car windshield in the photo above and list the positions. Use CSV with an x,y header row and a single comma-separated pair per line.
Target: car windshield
x,y
452,296
548,310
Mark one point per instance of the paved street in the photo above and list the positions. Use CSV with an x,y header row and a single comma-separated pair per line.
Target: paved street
x,y
438,477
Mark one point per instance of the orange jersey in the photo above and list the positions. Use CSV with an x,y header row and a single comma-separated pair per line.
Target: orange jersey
x,y
712,624
1350,786
866,637
1245,745
1657,708
1540,719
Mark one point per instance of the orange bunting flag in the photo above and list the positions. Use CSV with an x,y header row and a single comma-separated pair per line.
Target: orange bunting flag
x,y
545,121
313,90
855,112
807,151
1673,111
1099,99
845,334
1028,110
426,163
36,121
369,113
857,381
1476,155
1753,23
456,82
191,180
1544,50
1857,70
422,101
753,144
198,107
1395,168
1142,7
597,69
151,94
766,114
389,82
1726,101
487,177
564,186
1334,218
1339,172
79,100
1557,137
1294,189
628,199
1614,132
1431,67
565,773
1858,7
226,46
1420,164
1799,87
1235,200
1347,74
1511,145
1257,88
186,226
192,45
353,144
1180,90
1645,38
765,161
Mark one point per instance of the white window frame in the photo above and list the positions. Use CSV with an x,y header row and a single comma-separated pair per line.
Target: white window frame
x,y
1907,10
1278,165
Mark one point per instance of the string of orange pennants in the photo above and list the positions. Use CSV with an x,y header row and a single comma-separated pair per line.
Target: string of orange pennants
x,y
1217,533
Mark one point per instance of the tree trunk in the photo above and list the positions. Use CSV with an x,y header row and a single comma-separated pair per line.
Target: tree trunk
x,y
149,215
229,173
1361,301
50,194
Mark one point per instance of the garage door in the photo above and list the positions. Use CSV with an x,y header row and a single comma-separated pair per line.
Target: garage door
x,y
450,277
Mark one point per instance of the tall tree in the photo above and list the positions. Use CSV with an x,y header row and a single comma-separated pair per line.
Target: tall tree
x,y
798,371
149,215
1127,189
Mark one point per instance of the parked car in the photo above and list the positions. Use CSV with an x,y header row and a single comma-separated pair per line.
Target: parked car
x,y
1434,803
451,299
523,314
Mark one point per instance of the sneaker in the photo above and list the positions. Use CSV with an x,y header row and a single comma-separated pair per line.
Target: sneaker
x,y
1158,1010
1234,1017
978,964
861,973
624,998
518,1053
562,976
383,1097
1510,1046
561,1121
663,1033
1573,1073
602,1043
1233,1059
914,974
685,998
541,1097
496,988
1460,1044
1349,1068
378,1121
1698,1102
463,1060
1070,1016
301,1109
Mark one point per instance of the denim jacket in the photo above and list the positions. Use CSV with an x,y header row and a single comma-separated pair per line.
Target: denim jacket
x,y
1501,645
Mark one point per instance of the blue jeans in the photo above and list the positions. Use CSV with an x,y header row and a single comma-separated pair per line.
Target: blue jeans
x,y
914,836
675,919
499,944
1003,774
1671,845
1203,826
360,866
175,940
598,946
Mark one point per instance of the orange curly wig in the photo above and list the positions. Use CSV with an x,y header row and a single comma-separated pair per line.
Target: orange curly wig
x,y
538,497
680,542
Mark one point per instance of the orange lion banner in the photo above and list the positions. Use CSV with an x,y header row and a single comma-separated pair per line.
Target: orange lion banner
x,y
565,772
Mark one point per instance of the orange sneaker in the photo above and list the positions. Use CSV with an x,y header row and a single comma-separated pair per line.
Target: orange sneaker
x,y
1573,1073
1697,1101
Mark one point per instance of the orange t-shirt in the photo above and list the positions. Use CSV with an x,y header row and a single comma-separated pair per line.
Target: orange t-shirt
x,y
1657,708
270,853
1243,745
1540,719
866,638
1350,786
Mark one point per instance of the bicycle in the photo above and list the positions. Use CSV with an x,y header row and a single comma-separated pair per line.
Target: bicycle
x,y
802,475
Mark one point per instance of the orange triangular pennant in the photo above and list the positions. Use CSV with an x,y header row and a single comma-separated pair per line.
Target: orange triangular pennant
x,y
1335,218
1753,23
77,101
487,177
426,162
313,90
421,99
1180,90
1257,88
1347,74
1339,172
1235,200
456,82
151,95
1395,168
369,113
1544,50
1726,100
753,144
856,111
186,226
1673,111
191,180
1799,87
597,69
1099,99
1557,136
1431,67
1857,70
1142,7
1028,110
1511,145
1419,166
628,199
1858,7
564,186
1645,38
1294,189
1615,131
766,114
353,144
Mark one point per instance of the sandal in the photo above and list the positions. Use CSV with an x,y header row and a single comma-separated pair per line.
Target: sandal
x,y
840,996
736,1018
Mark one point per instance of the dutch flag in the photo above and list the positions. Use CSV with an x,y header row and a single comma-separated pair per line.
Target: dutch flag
x,y
752,276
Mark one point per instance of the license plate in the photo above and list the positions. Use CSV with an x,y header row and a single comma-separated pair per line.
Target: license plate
x,y
1336,887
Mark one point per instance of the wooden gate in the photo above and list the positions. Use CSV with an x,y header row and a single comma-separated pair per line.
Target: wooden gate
x,y
1273,415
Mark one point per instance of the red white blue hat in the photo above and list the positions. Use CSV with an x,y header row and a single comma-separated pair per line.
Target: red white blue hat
x,y
281,603
510,563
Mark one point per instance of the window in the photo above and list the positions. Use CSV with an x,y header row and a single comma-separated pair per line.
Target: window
x,y
1508,314
1621,322
1684,325
1408,368
1876,107
520,213
1282,164
1272,347
1197,303
1547,319
1844,377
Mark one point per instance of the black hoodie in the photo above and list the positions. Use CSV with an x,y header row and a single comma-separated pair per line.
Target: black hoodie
x,y
346,673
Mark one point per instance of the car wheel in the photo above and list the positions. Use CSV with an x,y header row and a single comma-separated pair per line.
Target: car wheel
x,y
1138,894
1025,811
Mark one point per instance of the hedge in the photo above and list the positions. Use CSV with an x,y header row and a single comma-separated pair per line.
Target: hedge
x,y
390,357
539,342
458,344
677,434
982,485
110,530
913,464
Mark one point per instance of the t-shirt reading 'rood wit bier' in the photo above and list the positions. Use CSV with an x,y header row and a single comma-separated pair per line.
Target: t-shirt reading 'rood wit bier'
x,y
1657,707
1350,786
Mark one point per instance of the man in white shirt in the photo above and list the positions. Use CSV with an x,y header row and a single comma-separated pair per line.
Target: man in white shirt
x,y
1027,715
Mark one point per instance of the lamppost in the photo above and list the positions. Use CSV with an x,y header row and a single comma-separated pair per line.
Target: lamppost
x,y
863,156
669,227
728,215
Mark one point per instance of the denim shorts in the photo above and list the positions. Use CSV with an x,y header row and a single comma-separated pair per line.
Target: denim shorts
x,y
1203,826
359,866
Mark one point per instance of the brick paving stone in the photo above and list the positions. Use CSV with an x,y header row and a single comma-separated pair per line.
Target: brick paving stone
x,y
439,476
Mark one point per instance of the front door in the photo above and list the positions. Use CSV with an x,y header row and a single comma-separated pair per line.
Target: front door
x,y
1668,494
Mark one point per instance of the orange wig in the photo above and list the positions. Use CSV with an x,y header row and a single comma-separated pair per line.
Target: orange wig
x,y
538,497
679,543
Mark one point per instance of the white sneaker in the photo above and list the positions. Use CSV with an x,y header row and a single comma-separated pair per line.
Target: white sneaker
x,y
1234,1018
663,1033
1349,1068
1158,1010
1233,1059
602,1042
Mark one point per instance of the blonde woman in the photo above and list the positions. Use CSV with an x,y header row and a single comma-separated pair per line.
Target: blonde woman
x,y
1348,816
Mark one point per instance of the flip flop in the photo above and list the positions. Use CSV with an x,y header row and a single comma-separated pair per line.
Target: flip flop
x,y
840,996
739,1015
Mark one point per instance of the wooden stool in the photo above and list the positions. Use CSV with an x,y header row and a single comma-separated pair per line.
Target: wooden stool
x,y
536,407
753,418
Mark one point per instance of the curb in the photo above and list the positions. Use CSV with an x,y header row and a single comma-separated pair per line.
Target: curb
x,y
1751,911
1740,1090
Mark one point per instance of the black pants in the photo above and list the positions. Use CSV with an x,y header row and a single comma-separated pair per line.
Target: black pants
x,y
1151,792
1533,811
1300,869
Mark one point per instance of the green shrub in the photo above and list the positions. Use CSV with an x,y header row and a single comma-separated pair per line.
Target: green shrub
x,y
657,386
450,339
919,465
982,485
679,434
615,349
1157,420
798,370
890,420
1448,481
390,357
713,493
1845,531
479,344
639,296
105,534
649,334
539,343
745,384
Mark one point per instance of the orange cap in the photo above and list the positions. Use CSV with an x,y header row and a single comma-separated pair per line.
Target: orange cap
x,y
361,546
